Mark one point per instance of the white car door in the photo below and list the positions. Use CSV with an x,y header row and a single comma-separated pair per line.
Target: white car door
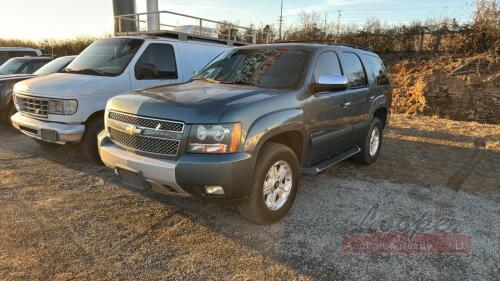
x,y
157,65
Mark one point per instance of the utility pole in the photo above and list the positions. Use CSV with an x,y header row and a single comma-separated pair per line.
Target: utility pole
x,y
338,24
325,29
281,20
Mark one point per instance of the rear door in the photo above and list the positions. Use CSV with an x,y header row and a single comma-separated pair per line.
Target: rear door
x,y
159,59
359,90
378,75
328,118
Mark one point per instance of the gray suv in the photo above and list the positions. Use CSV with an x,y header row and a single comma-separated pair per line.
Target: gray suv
x,y
249,123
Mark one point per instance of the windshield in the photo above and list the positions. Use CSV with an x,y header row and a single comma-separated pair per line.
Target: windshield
x,y
267,68
10,67
107,57
54,66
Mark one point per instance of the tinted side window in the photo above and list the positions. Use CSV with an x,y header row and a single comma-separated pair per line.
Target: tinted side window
x,y
4,56
377,70
36,65
16,54
328,64
355,71
157,62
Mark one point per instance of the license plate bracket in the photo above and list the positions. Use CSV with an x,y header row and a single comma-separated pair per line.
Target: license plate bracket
x,y
48,135
134,179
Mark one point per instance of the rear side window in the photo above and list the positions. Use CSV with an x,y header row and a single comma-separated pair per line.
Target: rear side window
x,y
377,70
328,64
16,54
355,70
157,62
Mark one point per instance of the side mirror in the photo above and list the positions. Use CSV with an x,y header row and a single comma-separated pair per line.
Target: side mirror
x,y
330,83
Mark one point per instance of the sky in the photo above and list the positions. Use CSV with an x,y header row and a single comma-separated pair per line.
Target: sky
x,y
61,19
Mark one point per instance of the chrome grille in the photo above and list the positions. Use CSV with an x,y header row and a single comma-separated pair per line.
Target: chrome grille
x,y
33,105
145,144
147,122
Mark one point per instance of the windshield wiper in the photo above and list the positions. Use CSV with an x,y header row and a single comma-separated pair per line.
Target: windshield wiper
x,y
88,71
206,79
241,82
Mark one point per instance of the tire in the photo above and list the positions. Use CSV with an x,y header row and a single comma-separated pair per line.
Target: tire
x,y
255,207
365,157
88,144
11,110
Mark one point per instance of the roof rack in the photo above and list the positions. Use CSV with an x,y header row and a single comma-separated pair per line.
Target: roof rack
x,y
327,42
162,24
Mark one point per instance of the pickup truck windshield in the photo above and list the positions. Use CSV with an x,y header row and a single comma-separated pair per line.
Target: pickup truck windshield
x,y
107,57
11,66
268,68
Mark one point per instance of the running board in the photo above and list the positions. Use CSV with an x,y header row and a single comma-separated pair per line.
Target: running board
x,y
330,162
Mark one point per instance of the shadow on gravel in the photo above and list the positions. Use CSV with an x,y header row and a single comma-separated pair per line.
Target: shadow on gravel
x,y
327,204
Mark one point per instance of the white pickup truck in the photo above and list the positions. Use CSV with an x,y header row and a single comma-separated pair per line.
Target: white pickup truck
x,y
68,107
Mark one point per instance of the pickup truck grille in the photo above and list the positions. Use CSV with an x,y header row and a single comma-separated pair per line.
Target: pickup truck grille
x,y
164,125
145,144
33,105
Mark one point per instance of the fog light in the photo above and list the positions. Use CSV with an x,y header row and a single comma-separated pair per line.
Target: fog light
x,y
214,190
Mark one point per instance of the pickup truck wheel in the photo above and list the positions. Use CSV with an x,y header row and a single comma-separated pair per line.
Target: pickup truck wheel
x,y
275,185
370,149
11,111
88,144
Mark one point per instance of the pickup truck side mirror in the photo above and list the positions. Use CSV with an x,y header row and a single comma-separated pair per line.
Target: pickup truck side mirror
x,y
330,83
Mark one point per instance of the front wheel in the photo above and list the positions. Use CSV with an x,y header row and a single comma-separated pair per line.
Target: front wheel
x,y
89,140
275,185
370,149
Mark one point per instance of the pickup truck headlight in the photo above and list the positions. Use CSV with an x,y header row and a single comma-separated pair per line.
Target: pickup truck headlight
x,y
63,107
220,138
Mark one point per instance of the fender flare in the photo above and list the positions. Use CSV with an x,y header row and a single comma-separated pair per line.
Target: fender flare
x,y
378,103
273,124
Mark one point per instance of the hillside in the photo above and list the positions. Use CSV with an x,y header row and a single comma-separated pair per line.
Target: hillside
x,y
447,86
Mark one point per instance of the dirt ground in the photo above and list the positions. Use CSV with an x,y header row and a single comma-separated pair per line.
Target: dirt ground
x,y
64,219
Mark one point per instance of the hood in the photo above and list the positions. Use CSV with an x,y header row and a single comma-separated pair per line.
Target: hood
x,y
195,102
15,77
70,85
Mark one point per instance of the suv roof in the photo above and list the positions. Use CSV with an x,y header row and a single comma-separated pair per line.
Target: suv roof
x,y
308,46
32,58
12,49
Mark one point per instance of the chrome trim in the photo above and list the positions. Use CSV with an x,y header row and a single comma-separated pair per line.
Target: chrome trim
x,y
128,148
149,118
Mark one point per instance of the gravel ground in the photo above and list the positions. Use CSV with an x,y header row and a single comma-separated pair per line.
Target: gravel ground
x,y
63,219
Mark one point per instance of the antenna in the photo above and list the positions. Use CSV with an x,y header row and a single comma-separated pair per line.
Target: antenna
x,y
281,20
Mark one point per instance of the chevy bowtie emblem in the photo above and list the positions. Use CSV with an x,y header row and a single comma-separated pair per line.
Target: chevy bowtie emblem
x,y
133,130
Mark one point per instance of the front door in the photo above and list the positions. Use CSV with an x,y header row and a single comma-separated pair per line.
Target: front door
x,y
327,114
156,66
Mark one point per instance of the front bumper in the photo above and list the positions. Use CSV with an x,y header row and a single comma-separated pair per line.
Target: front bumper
x,y
188,175
33,127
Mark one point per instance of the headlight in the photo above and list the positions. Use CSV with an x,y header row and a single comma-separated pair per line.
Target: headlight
x,y
63,107
221,138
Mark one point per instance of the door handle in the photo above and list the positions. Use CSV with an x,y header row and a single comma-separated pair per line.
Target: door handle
x,y
346,104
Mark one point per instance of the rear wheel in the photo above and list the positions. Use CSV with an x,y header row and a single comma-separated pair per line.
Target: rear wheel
x,y
275,185
89,140
370,149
